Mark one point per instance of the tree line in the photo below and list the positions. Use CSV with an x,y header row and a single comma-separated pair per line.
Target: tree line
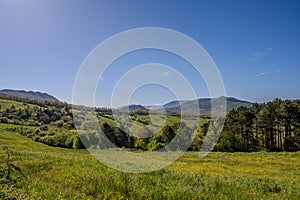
x,y
272,126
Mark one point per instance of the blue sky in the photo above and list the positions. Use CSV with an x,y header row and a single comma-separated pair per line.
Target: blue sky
x,y
255,44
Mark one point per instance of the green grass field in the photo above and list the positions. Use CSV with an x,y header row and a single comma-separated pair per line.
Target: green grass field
x,y
56,173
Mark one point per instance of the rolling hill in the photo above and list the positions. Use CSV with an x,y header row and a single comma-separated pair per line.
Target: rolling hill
x,y
205,105
190,106
28,94
132,107
174,104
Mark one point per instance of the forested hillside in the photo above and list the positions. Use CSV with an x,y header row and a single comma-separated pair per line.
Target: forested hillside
x,y
273,126
28,94
207,105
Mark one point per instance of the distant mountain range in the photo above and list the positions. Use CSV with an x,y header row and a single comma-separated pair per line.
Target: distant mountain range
x,y
176,106
205,105
28,94
190,106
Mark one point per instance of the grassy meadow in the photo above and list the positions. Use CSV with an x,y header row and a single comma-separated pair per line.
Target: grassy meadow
x,y
58,173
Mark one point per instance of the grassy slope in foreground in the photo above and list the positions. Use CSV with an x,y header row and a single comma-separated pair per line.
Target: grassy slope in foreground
x,y
55,173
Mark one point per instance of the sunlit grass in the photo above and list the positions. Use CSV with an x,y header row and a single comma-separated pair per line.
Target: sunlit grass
x,y
56,173
8,103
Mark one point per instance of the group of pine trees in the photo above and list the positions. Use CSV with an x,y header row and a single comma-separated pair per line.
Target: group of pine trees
x,y
272,126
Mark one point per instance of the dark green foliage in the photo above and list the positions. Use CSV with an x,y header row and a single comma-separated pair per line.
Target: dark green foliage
x,y
77,144
273,126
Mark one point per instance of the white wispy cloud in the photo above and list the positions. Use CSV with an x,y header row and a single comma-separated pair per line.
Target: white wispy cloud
x,y
268,72
259,54
262,53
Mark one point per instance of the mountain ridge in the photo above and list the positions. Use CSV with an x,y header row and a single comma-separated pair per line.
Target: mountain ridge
x,y
28,94
132,107
208,105
190,106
